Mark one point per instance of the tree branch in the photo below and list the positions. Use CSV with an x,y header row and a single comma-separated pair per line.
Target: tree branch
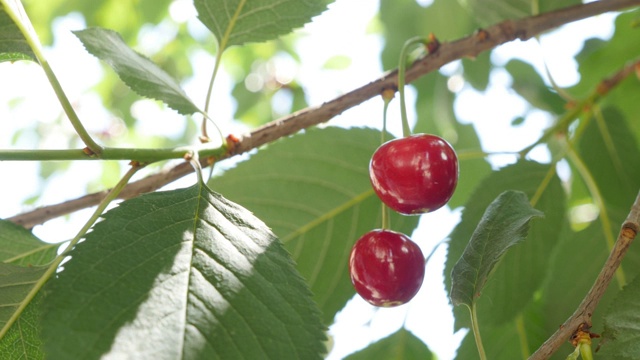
x,y
470,46
582,316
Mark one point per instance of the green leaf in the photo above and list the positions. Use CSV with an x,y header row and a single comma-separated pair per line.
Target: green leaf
x,y
621,337
504,224
528,84
612,155
505,341
22,341
404,19
20,247
399,345
313,190
235,22
477,70
569,278
139,73
518,278
15,284
13,45
194,275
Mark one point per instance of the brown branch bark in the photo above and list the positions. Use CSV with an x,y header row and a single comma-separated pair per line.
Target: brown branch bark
x,y
470,46
582,316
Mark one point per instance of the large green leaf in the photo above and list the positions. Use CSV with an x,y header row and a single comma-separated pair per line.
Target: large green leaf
x,y
138,72
313,190
401,345
19,247
518,277
569,278
13,45
235,22
621,338
188,272
503,225
612,156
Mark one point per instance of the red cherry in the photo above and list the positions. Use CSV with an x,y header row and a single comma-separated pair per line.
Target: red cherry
x,y
386,268
415,174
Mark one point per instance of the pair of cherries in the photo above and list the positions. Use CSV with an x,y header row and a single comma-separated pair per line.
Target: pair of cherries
x,y
411,175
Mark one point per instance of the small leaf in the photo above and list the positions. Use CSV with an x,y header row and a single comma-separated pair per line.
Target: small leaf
x,y
13,45
505,223
192,274
399,345
621,337
235,22
139,73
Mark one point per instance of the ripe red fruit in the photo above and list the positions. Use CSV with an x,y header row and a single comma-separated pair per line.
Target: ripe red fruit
x,y
386,268
415,174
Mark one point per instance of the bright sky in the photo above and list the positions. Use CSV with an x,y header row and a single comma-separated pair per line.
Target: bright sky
x,y
32,104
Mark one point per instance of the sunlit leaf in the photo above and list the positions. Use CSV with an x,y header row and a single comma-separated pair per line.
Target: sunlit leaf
x,y
235,22
399,345
183,274
139,73
313,190
504,224
13,45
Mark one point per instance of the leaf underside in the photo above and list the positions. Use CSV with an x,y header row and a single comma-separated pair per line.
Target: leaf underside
x,y
139,73
194,275
504,224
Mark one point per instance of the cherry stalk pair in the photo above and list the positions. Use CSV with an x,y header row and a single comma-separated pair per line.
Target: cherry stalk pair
x,y
412,175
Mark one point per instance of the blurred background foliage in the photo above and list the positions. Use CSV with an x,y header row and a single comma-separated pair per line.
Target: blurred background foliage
x,y
265,84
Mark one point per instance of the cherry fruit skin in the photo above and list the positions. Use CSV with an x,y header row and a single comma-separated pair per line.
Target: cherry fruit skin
x,y
386,267
414,175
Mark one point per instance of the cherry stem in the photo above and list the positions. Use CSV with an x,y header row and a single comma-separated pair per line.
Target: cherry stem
x,y
476,331
406,130
387,96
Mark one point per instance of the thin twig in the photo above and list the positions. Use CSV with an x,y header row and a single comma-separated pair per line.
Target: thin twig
x,y
470,46
582,315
